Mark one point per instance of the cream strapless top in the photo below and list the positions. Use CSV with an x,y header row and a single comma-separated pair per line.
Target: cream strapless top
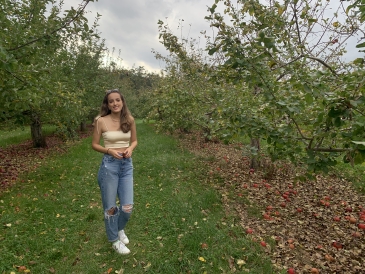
x,y
116,139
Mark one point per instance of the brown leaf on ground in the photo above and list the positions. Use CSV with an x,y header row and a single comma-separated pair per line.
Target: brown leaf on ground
x,y
299,216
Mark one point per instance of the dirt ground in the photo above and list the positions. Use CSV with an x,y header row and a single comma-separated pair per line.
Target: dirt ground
x,y
312,227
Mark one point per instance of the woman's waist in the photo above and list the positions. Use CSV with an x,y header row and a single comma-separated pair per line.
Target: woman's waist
x,y
120,149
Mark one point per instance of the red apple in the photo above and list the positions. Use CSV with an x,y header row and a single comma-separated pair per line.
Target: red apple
x,y
352,220
361,226
291,271
263,244
249,230
356,234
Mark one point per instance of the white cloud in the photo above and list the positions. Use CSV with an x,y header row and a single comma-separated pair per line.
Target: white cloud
x,y
131,26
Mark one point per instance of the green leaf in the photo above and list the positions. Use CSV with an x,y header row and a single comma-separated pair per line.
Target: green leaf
x,y
361,45
309,98
359,142
212,51
212,9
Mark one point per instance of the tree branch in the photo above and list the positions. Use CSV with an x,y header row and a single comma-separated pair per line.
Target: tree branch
x,y
321,149
323,63
56,30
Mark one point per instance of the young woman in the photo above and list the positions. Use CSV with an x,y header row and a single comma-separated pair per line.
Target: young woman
x,y
115,177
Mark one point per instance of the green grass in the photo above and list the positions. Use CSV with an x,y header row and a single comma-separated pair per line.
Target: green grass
x,y
54,221
19,135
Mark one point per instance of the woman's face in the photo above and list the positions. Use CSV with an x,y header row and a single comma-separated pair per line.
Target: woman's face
x,y
115,103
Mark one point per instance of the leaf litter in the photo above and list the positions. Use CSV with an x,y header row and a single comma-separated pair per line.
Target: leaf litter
x,y
312,226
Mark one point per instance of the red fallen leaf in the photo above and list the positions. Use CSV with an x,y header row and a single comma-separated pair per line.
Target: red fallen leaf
x,y
22,268
314,271
266,216
204,246
299,210
239,194
249,230
348,209
110,270
337,245
336,218
329,258
269,207
255,185
283,204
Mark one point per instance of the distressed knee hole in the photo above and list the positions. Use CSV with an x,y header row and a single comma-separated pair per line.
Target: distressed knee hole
x,y
127,208
111,211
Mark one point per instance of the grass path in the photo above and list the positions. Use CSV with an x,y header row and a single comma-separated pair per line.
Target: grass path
x,y
53,222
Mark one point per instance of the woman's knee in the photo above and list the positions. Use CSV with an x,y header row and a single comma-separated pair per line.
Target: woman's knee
x,y
127,208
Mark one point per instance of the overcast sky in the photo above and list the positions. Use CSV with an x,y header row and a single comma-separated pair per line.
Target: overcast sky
x,y
131,26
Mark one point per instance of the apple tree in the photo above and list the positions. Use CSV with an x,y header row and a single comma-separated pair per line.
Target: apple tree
x,y
40,79
289,56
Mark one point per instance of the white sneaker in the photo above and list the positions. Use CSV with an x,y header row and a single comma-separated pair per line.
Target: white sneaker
x,y
122,237
120,247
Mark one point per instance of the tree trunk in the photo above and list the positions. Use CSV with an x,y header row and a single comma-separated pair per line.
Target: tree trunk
x,y
83,126
36,131
255,163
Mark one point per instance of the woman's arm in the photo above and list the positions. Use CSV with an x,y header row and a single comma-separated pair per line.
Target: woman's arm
x,y
133,142
96,138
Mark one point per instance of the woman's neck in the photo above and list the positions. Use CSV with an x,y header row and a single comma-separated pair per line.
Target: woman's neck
x,y
115,116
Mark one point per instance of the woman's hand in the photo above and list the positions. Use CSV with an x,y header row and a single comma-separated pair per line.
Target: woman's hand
x,y
120,155
127,153
115,154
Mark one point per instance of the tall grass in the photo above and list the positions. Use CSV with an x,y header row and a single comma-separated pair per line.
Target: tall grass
x,y
53,222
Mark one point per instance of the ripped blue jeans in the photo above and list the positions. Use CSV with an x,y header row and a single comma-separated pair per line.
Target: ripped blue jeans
x,y
115,178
